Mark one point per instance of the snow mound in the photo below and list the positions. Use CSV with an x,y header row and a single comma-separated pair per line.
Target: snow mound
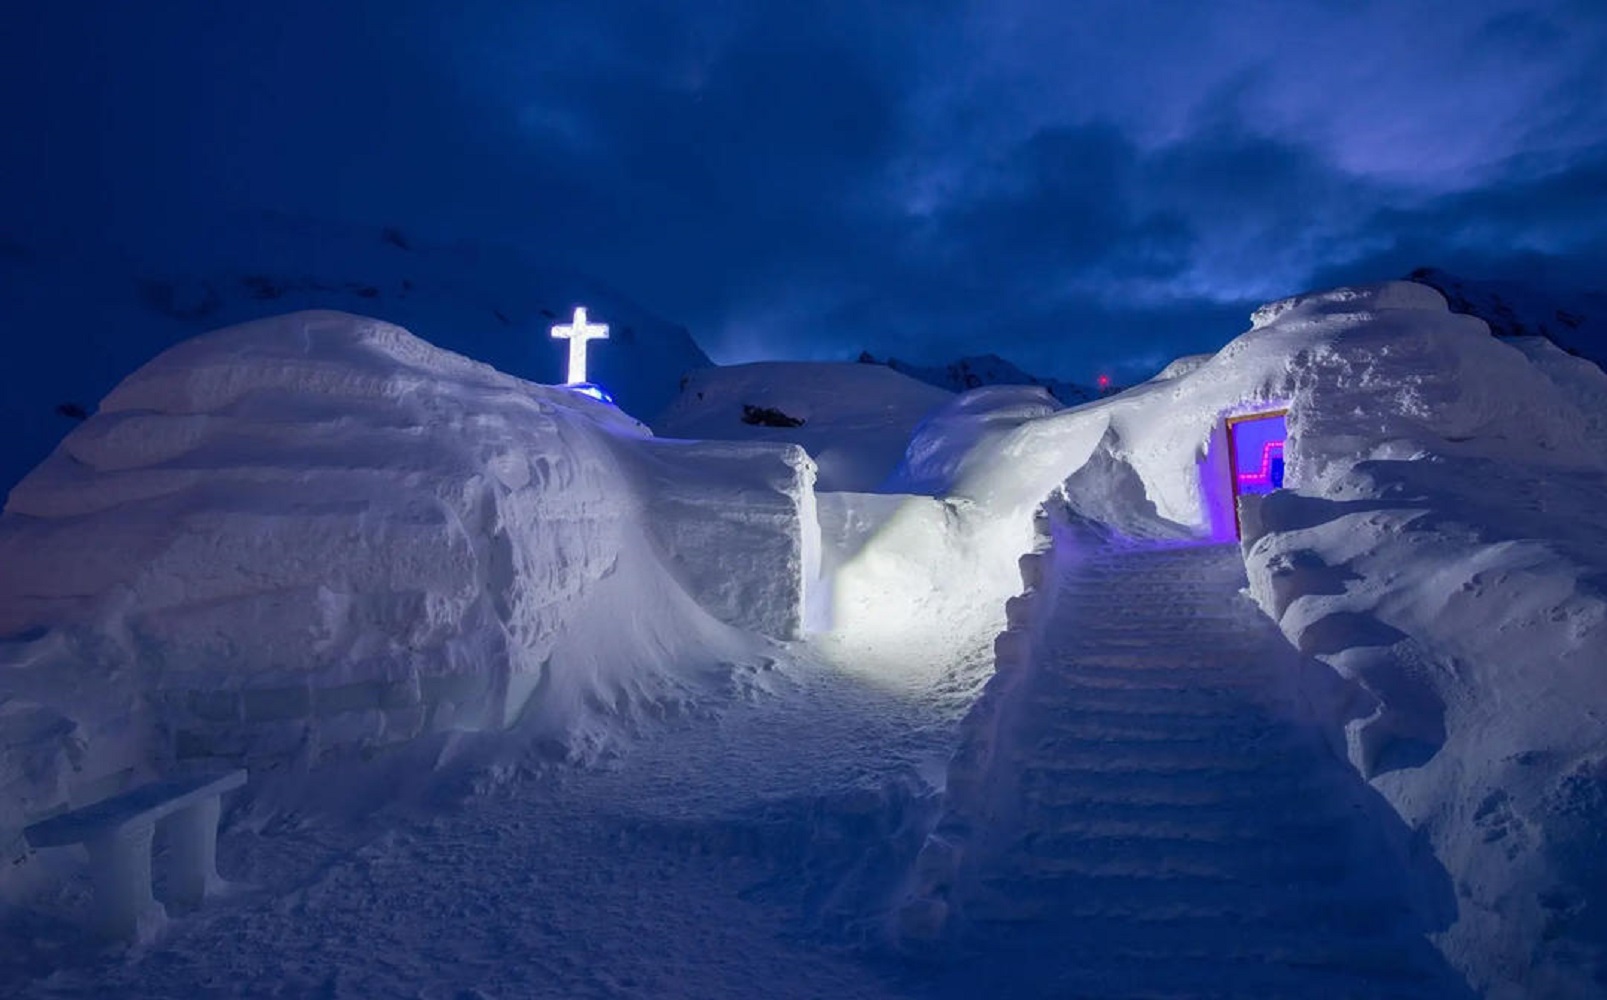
x,y
1443,552
308,537
936,457
1180,367
855,420
1438,545
1357,301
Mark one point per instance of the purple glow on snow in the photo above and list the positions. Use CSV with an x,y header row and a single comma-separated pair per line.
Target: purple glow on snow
x,y
1270,475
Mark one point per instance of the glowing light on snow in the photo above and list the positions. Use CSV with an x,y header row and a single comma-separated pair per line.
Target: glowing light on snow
x,y
591,389
1245,456
1258,453
1269,476
579,333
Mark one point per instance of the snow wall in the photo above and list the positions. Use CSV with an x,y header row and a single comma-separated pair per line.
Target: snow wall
x,y
1439,547
313,536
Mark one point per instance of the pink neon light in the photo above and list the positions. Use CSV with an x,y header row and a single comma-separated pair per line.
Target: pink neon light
x,y
1264,477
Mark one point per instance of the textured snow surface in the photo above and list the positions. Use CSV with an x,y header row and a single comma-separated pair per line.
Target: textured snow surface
x,y
317,535
1390,780
1140,806
1445,552
964,429
1440,548
857,419
748,853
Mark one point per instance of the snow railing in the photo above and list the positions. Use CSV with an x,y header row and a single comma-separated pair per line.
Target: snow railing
x,y
118,833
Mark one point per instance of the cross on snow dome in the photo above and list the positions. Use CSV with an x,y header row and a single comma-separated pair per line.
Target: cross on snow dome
x,y
579,333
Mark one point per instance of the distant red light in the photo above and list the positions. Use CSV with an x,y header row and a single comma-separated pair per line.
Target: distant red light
x,y
1104,381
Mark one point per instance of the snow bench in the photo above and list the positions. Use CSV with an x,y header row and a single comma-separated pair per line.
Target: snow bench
x,y
118,833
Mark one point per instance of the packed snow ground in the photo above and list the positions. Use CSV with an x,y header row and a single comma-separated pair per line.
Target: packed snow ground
x,y
723,856
1444,643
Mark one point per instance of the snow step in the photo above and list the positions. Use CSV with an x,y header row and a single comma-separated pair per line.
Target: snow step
x,y
1201,702
1018,972
1070,756
1262,964
1286,812
1252,859
1283,934
1132,656
1138,658
1180,896
1060,754
1239,825
1165,646
1160,675
1176,788
1151,682
1183,727
1316,873
1161,826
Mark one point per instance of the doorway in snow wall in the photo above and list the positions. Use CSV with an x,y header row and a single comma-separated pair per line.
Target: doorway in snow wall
x,y
1255,450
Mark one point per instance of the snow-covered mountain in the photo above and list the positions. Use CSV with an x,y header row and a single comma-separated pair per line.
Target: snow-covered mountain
x,y
1574,320
985,369
74,320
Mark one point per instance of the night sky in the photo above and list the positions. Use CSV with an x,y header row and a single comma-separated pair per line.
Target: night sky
x,y
1078,186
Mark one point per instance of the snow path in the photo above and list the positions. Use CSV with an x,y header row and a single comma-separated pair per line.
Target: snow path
x,y
734,855
1162,824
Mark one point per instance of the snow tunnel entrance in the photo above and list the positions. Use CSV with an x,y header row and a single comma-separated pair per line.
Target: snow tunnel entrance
x,y
1255,455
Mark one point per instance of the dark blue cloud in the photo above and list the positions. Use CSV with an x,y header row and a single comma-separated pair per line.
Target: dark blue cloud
x,y
1076,186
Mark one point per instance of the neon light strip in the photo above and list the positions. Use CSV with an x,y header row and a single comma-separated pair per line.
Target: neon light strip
x,y
1264,477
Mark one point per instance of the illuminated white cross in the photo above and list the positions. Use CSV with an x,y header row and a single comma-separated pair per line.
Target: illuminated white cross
x,y
579,333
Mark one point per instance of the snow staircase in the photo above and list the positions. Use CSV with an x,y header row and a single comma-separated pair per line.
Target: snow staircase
x,y
1160,823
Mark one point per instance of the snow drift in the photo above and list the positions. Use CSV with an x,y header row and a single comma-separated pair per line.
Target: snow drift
x,y
313,536
1444,553
854,419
